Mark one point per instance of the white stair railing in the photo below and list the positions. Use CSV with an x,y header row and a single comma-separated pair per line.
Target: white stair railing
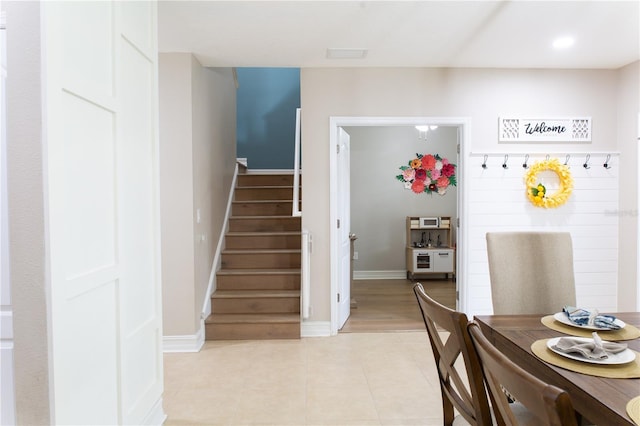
x,y
305,275
305,266
296,169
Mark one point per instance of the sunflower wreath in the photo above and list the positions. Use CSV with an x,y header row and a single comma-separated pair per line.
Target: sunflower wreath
x,y
537,192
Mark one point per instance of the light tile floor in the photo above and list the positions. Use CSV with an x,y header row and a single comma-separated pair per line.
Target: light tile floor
x,y
349,379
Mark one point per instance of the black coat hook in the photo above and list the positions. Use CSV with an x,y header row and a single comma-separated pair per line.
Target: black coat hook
x,y
484,164
504,165
525,165
566,160
586,162
606,162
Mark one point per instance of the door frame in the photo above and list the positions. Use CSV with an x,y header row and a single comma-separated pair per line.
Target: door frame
x,y
463,124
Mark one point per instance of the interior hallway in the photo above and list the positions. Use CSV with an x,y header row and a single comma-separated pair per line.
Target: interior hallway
x,y
390,305
355,378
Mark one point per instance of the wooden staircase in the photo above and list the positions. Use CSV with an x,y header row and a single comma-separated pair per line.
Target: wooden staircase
x,y
258,284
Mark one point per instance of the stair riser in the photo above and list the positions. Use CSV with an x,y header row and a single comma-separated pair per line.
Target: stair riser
x,y
256,305
261,261
255,194
283,208
258,282
252,331
259,241
265,180
264,224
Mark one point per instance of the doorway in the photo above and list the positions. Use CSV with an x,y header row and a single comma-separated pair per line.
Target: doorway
x,y
340,209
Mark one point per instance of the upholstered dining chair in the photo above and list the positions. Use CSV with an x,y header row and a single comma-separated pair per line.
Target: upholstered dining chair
x,y
472,404
549,405
530,272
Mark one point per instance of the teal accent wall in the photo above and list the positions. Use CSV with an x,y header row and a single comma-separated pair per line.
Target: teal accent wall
x,y
267,99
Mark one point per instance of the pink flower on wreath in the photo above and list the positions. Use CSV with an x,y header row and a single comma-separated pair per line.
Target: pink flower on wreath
x,y
421,174
435,174
442,182
417,186
444,161
448,170
408,174
428,162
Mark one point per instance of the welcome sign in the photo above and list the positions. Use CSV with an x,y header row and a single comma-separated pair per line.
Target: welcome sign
x,y
518,129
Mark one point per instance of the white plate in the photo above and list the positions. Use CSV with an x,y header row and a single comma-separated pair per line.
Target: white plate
x,y
620,358
563,318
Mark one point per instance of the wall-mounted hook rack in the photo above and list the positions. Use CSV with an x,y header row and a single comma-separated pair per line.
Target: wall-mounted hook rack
x,y
484,163
606,162
504,165
586,162
526,159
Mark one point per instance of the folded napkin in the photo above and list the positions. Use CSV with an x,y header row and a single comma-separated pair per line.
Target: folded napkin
x,y
595,349
580,316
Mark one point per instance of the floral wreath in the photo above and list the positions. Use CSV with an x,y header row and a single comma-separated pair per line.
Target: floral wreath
x,y
428,173
537,192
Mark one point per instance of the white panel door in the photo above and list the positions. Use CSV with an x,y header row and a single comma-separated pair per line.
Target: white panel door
x,y
7,391
344,243
101,164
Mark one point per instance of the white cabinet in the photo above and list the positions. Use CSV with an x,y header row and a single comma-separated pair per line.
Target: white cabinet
x,y
429,248
443,260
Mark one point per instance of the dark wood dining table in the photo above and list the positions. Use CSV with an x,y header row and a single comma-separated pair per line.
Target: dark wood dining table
x,y
601,400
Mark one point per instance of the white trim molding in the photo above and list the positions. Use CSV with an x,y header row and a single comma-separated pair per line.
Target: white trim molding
x,y
315,329
380,275
206,305
464,138
156,416
184,343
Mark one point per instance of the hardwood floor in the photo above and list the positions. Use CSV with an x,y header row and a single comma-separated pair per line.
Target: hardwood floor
x,y
390,305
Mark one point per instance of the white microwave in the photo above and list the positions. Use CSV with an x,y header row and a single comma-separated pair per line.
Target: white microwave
x,y
429,222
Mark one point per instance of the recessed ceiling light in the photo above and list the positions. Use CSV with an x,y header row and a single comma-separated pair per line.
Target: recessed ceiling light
x,y
563,42
346,53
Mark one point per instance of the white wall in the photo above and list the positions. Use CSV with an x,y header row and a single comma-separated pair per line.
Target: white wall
x,y
628,91
176,194
197,138
480,94
26,215
379,202
214,154
7,386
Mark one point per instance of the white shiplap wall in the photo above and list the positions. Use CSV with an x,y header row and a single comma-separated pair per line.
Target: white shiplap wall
x,y
497,202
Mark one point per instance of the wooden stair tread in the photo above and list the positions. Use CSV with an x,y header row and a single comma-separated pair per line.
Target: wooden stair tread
x,y
253,318
261,201
258,233
288,271
265,187
260,251
261,302
265,217
243,294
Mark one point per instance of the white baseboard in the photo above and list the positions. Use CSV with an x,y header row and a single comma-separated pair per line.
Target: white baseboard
x,y
380,275
156,416
315,329
184,343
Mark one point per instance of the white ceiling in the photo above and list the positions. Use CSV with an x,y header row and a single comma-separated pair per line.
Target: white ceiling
x,y
502,34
